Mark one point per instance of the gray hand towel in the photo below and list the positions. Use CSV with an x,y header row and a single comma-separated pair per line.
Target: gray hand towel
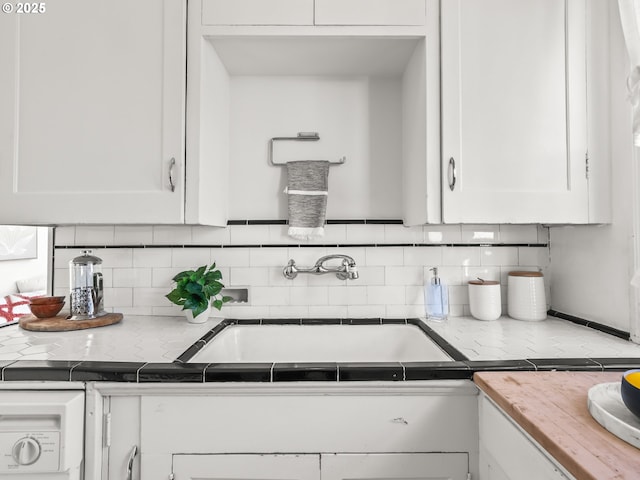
x,y
307,189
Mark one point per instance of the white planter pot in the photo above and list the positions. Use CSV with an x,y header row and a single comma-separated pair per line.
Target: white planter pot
x,y
203,317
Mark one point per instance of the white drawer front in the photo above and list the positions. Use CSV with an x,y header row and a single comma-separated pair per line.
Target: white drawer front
x,y
370,12
257,12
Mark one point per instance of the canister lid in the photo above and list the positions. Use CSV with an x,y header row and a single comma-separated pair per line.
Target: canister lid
x,y
483,282
86,259
520,273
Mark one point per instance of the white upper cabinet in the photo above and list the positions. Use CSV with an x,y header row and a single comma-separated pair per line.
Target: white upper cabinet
x,y
92,113
514,119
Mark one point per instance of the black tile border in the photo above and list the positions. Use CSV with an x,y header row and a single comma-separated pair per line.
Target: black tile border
x,y
588,323
448,348
106,371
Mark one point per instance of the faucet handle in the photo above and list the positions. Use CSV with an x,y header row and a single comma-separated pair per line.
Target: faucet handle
x,y
290,271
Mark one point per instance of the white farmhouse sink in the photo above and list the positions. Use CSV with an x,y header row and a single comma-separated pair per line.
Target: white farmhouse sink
x,y
321,343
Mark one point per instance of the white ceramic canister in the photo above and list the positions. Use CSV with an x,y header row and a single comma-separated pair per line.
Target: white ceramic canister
x,y
526,296
485,301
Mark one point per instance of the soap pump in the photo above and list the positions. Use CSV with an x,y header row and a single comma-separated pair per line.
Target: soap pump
x,y
436,298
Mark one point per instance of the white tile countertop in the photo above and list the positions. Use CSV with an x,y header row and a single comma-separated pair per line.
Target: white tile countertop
x,y
509,339
163,339
134,339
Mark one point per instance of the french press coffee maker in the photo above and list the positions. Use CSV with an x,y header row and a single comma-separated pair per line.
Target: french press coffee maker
x,y
87,287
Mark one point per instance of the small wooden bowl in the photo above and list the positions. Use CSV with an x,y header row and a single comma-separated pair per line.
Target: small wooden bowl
x,y
46,300
47,310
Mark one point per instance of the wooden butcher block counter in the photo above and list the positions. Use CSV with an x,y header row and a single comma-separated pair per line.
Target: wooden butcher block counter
x,y
552,408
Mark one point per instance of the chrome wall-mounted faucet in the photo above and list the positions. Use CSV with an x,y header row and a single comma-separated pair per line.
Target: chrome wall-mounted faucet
x,y
346,270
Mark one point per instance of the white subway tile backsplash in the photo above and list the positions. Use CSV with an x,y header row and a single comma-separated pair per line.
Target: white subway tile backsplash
x,y
116,257
461,256
118,297
368,234
327,311
458,294
161,277
130,277
148,297
268,257
480,234
404,311
309,295
447,234
518,234
366,311
172,235
384,256
371,275
249,235
391,278
258,276
484,272
346,296
94,235
402,234
414,295
65,236
230,257
270,296
386,295
202,235
278,235
448,275
296,311
425,256
151,257
496,256
405,275
133,235
190,258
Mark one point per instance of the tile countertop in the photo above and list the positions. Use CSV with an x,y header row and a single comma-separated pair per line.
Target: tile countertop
x,y
163,339
145,349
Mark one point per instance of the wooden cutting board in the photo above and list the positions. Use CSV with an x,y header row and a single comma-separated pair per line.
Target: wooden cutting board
x,y
62,324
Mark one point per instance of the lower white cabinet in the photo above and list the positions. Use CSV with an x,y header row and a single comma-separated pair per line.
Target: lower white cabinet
x,y
507,453
421,430
436,466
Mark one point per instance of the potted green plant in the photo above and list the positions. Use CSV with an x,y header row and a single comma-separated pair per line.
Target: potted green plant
x,y
194,291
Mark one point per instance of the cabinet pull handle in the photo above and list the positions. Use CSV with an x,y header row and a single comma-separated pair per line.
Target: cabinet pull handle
x,y
452,174
132,456
172,164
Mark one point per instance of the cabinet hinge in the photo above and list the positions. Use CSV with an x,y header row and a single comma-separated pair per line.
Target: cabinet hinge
x,y
171,476
469,476
107,429
586,165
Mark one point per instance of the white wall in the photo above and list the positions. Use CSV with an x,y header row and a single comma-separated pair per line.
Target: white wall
x,y
12,270
591,266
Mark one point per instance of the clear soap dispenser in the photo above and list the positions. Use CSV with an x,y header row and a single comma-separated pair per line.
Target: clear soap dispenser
x,y
436,298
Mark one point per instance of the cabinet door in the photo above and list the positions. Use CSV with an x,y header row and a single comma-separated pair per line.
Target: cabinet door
x,y
417,466
514,111
506,453
92,113
246,467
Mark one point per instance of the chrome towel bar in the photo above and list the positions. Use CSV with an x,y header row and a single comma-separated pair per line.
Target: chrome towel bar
x,y
302,136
